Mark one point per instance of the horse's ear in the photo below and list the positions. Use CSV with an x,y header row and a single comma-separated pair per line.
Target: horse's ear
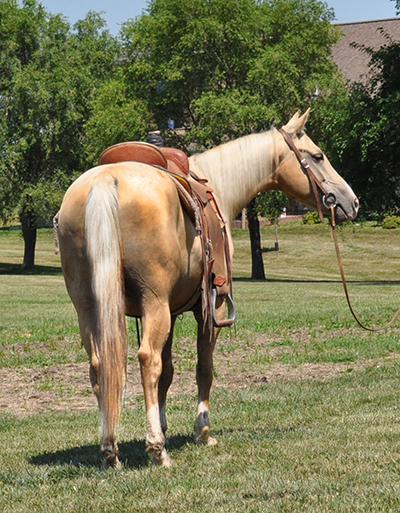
x,y
294,118
296,124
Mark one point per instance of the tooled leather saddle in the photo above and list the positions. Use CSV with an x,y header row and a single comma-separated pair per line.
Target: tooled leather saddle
x,y
198,201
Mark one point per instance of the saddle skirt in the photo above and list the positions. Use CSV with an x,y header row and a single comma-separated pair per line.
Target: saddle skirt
x,y
199,203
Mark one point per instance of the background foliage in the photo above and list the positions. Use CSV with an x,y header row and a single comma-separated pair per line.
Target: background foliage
x,y
48,77
224,69
362,134
220,69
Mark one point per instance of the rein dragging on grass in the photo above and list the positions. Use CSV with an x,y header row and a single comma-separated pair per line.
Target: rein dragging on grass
x,y
346,291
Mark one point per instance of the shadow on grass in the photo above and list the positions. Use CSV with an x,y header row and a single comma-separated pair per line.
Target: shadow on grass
x,y
38,270
271,250
131,454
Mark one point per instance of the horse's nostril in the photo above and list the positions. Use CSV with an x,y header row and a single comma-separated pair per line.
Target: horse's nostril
x,y
356,203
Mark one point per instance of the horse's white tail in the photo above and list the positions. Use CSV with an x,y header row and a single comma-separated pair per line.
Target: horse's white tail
x,y
103,248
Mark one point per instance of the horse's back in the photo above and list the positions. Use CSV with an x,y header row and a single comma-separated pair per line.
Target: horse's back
x,y
144,194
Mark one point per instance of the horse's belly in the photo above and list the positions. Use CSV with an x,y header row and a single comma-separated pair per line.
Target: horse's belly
x,y
147,280
183,297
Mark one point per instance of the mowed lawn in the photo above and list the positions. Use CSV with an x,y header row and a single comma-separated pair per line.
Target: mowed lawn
x,y
305,405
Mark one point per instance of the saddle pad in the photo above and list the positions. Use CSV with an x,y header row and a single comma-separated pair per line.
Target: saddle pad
x,y
133,151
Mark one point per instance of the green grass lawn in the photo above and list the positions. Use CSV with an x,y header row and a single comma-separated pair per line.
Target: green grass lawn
x,y
297,445
305,405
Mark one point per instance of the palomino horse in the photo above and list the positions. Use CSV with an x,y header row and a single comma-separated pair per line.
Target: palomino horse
x,y
128,248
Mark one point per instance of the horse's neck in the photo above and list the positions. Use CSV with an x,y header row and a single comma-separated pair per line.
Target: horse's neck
x,y
239,170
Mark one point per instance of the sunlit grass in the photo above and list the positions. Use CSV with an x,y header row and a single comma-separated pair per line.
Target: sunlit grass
x,y
38,321
289,441
295,446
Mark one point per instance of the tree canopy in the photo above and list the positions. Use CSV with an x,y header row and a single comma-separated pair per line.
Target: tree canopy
x,y
363,137
48,76
226,68
219,68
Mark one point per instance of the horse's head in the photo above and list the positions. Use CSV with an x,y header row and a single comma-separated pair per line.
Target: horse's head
x,y
305,174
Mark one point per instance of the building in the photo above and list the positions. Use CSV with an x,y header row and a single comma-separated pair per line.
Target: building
x,y
352,61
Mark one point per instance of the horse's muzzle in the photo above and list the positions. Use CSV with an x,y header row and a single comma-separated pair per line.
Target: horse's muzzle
x,y
349,214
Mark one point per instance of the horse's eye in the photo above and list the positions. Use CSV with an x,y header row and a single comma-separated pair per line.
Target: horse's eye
x,y
318,157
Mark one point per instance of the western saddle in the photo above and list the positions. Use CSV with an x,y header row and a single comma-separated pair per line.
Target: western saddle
x,y
198,201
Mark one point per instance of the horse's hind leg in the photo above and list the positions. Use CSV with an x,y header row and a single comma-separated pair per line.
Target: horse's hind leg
x,y
108,446
166,377
156,323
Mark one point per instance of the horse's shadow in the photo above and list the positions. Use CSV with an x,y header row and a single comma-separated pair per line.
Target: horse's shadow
x,y
38,270
131,454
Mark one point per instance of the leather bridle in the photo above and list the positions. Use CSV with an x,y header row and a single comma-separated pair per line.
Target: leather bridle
x,y
329,201
328,197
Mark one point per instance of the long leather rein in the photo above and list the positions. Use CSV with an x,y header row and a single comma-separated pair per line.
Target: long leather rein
x,y
327,198
346,291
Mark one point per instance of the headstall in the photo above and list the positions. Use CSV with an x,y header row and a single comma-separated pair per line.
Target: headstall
x,y
328,197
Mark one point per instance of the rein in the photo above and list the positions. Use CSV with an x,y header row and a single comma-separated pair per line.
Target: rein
x,y
329,201
346,291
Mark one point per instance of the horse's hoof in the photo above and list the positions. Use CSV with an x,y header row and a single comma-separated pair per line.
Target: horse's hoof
x,y
111,461
162,460
212,441
204,438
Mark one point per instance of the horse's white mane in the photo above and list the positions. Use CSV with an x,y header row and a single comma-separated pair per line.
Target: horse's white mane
x,y
239,169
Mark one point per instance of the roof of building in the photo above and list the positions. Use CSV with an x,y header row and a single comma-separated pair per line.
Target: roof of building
x,y
352,61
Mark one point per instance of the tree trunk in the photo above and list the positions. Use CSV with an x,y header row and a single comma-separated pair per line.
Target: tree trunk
x,y
257,264
276,237
28,221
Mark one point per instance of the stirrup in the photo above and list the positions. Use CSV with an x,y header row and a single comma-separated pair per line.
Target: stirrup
x,y
231,311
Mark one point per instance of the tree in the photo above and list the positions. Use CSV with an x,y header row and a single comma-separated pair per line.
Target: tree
x,y
114,118
47,76
227,68
257,265
363,135
270,205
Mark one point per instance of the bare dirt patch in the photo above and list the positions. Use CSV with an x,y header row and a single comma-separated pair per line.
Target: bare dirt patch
x,y
30,391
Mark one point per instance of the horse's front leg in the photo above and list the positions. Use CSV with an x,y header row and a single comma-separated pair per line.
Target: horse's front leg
x,y
204,373
156,325
166,377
